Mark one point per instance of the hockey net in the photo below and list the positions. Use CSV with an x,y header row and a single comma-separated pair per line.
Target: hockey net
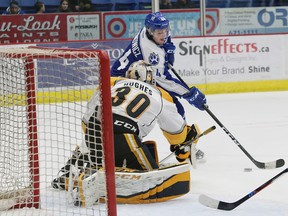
x,y
43,96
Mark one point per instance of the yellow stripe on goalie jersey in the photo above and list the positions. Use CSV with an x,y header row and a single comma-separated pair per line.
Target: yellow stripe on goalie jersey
x,y
165,95
113,80
175,139
171,188
138,152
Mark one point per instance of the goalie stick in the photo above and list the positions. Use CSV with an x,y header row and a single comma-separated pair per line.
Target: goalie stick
x,y
262,165
190,142
227,206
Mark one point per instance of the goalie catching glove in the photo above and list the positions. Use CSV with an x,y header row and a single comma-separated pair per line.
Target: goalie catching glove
x,y
187,151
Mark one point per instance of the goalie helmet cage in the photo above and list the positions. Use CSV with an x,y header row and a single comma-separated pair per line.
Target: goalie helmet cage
x,y
43,96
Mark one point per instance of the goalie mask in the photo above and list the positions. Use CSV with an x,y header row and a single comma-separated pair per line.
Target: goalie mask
x,y
142,71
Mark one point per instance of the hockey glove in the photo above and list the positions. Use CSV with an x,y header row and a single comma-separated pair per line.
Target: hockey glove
x,y
196,98
182,152
169,48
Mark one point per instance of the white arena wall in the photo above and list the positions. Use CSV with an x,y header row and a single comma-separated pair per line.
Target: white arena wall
x,y
234,63
218,64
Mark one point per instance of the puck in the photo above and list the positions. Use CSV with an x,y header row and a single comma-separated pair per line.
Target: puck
x,y
247,169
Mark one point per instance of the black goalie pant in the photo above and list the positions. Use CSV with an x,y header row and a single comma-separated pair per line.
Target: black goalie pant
x,y
130,152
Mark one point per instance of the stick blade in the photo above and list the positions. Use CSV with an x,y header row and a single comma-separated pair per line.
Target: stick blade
x,y
216,204
208,201
271,165
280,163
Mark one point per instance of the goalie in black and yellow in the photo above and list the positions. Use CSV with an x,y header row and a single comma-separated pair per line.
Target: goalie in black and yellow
x,y
137,105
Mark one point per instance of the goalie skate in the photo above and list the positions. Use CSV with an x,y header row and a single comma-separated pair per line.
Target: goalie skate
x,y
200,156
61,181
196,156
77,161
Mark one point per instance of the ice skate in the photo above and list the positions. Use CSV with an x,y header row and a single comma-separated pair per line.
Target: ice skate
x,y
200,156
77,161
61,181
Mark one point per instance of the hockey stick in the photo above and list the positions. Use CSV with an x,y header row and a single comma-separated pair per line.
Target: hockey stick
x,y
177,75
262,165
213,203
188,143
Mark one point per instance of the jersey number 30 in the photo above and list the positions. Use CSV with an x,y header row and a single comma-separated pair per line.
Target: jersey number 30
x,y
136,106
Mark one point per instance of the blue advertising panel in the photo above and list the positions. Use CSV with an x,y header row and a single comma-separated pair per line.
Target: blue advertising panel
x,y
127,25
72,76
66,72
244,21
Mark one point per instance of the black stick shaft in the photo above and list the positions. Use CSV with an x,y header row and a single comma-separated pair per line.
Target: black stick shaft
x,y
177,75
228,132
218,122
261,165
230,206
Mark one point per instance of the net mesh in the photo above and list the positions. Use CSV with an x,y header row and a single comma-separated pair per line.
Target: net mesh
x,y
43,96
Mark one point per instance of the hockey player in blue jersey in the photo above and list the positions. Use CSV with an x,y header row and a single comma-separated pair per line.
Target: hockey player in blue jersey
x,y
153,45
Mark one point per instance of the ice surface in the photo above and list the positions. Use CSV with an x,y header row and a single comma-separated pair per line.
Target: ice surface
x,y
259,121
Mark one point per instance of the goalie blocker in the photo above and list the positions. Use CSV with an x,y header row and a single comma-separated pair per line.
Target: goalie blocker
x,y
134,186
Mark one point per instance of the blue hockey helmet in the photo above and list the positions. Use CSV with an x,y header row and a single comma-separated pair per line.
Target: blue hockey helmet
x,y
156,21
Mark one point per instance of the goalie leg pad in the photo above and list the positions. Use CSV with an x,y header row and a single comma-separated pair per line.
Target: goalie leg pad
x,y
90,188
154,186
135,187
193,131
87,192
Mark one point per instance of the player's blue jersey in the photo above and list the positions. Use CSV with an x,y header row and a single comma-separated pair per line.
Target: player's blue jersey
x,y
142,48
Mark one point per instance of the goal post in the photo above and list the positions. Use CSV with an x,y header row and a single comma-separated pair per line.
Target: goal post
x,y
43,97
